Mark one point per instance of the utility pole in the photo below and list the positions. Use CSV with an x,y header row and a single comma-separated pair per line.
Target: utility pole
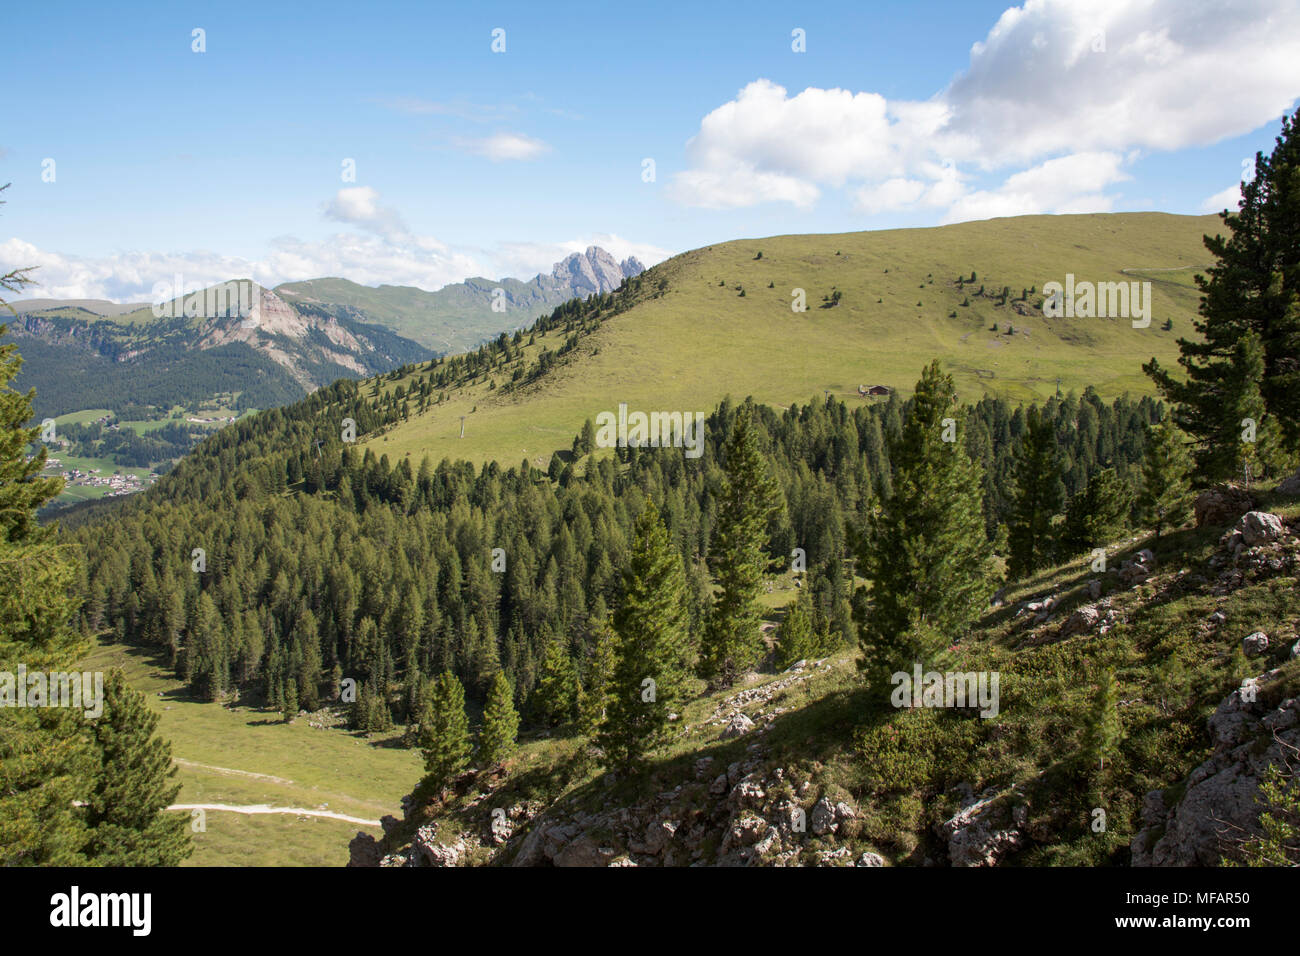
x,y
462,426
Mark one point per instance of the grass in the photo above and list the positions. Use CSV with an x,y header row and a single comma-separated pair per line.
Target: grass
x,y
244,755
699,341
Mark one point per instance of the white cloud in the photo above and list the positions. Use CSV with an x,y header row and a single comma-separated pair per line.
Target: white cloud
x,y
1225,199
392,259
1054,81
1068,184
505,146
359,206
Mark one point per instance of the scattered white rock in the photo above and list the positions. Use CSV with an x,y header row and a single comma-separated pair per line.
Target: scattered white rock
x,y
1255,644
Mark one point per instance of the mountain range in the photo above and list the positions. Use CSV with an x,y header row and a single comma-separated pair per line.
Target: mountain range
x,y
90,353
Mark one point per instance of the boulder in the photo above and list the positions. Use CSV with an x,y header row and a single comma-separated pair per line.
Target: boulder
x,y
737,725
583,851
983,832
1220,505
1082,620
871,859
1254,644
427,851
1290,486
1260,527
822,819
1138,568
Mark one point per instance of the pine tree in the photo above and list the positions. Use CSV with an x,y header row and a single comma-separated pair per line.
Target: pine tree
x,y
556,692
444,739
290,698
1103,730
652,665
929,559
1245,292
1165,486
51,762
795,641
133,786
1039,495
1248,440
749,499
500,723
1096,515
593,698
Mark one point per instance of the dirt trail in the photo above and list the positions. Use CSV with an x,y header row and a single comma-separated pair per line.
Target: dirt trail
x,y
233,773
259,808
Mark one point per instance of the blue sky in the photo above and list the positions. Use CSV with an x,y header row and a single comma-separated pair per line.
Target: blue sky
x,y
229,162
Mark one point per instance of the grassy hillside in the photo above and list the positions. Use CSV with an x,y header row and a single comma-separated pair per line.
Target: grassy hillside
x,y
244,756
693,338
455,318
819,732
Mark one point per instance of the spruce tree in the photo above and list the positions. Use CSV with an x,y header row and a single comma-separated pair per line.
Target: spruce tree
x,y
929,560
652,664
749,499
444,738
1252,287
500,723
1039,495
1165,486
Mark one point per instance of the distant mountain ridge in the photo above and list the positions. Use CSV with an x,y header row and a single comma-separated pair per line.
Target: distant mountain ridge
x,y
461,315
90,353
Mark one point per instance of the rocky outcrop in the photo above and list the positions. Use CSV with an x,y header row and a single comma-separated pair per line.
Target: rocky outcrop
x,y
986,828
1218,805
1221,505
1138,568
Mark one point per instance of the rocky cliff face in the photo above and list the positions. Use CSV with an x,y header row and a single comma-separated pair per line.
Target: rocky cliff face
x,y
595,271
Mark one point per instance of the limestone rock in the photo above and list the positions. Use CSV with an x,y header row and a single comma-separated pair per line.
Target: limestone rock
x,y
1254,644
1221,505
737,726
1218,806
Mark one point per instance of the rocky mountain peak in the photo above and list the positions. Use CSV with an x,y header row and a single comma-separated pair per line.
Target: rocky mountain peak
x,y
595,270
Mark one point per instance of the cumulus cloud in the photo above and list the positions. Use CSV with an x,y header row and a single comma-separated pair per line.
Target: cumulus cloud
x,y
505,146
1068,184
359,206
1056,88
1228,198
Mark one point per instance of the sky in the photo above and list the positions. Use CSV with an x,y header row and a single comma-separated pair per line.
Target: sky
x,y
422,143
